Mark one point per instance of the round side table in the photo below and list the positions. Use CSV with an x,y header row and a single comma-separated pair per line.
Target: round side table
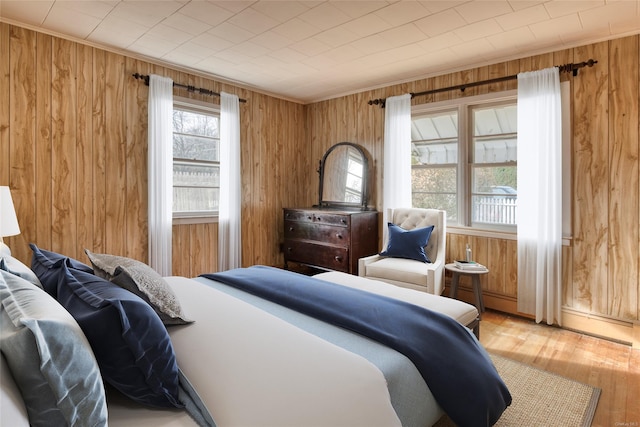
x,y
475,283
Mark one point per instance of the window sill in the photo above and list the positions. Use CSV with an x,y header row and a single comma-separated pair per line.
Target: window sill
x,y
481,232
200,219
494,234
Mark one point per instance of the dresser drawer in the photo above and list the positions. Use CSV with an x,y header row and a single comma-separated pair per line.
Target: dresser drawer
x,y
322,233
331,257
329,239
317,217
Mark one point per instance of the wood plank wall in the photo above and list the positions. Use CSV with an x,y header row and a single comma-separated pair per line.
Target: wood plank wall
x,y
601,263
73,144
73,149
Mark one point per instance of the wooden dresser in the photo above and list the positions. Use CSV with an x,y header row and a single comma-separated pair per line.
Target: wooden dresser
x,y
329,239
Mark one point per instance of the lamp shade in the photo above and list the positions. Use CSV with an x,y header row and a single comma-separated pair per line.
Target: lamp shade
x,y
8,220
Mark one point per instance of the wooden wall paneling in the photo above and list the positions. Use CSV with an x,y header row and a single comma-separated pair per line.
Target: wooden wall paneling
x,y
567,275
180,246
211,264
497,265
513,68
364,118
442,82
98,163
63,153
495,71
271,177
456,247
42,191
247,159
84,148
511,272
197,248
624,253
5,83
116,196
22,114
136,148
591,188
540,62
253,240
480,253
565,56
344,127
463,77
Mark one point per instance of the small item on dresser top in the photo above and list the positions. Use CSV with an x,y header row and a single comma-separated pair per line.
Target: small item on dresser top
x,y
469,265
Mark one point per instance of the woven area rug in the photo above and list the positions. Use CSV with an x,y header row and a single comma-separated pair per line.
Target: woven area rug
x,y
541,398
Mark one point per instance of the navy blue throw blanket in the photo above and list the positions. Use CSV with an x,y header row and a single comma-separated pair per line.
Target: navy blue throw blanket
x,y
454,365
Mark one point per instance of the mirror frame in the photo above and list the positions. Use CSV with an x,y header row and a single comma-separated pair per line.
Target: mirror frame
x,y
332,204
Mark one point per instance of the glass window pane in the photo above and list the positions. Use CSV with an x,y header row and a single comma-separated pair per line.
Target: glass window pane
x,y
495,195
435,188
195,148
195,175
446,202
435,154
192,123
434,180
495,134
495,180
196,153
494,209
195,199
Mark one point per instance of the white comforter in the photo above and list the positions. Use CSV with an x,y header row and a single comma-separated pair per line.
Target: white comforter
x,y
253,369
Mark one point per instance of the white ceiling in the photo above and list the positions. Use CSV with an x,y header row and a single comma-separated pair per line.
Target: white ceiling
x,y
312,50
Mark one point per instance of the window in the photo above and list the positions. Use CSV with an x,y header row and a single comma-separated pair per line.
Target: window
x,y
196,159
464,160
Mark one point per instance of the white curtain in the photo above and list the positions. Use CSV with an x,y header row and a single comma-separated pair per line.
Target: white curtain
x,y
160,174
229,236
396,187
539,214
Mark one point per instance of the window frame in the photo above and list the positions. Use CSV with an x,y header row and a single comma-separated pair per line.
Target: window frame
x,y
464,106
199,107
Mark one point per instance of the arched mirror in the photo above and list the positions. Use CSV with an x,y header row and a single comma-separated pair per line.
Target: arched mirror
x,y
343,177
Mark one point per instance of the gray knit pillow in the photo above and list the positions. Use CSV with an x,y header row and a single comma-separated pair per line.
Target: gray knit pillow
x,y
142,280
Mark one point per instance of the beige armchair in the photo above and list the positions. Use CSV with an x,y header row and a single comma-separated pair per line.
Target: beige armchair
x,y
409,273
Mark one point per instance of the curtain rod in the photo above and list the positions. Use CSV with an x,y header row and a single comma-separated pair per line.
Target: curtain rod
x,y
562,68
200,90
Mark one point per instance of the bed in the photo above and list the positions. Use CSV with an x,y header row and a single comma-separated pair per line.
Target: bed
x,y
243,359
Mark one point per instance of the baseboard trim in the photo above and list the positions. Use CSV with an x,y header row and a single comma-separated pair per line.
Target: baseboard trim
x,y
616,330
603,327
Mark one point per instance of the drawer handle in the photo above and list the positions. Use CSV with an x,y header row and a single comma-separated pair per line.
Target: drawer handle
x,y
339,236
290,228
338,258
309,218
318,218
344,221
289,250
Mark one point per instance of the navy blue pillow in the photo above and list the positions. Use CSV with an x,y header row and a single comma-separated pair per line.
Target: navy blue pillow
x,y
48,266
408,243
132,346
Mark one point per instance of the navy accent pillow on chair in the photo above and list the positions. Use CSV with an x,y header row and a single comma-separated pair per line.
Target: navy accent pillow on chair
x,y
131,345
408,244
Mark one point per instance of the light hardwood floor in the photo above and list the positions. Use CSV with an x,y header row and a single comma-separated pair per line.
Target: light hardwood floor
x,y
613,367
